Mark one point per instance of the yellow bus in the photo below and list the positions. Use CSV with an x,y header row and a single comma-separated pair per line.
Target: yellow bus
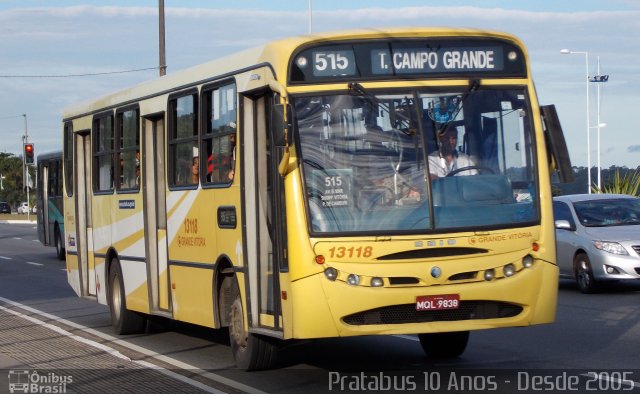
x,y
368,182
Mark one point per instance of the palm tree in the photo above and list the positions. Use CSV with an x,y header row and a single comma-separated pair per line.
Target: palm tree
x,y
628,184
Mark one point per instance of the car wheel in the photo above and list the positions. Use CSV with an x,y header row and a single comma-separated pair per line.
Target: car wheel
x,y
250,351
123,320
584,274
444,344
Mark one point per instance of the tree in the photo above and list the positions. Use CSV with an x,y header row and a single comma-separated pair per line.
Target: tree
x,y
12,184
627,184
608,180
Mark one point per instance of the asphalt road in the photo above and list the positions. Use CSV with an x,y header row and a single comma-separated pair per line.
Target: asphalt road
x,y
592,333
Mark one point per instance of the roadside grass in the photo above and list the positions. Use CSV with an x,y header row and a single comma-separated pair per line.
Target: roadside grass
x,y
17,216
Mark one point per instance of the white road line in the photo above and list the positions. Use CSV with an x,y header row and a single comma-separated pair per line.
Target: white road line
x,y
32,263
415,339
61,331
5,258
35,240
147,352
17,238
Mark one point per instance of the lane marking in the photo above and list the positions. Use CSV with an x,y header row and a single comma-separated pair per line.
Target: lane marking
x,y
32,263
108,349
5,258
176,363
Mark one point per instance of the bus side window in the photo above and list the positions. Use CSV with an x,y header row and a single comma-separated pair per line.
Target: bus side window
x,y
183,140
219,136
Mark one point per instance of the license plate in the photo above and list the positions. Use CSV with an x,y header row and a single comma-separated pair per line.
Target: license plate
x,y
437,302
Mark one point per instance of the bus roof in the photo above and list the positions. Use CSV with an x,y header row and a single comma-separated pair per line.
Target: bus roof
x,y
269,54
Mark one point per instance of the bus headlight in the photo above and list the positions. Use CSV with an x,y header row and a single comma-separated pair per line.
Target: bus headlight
x,y
353,279
509,270
331,273
527,261
489,274
377,282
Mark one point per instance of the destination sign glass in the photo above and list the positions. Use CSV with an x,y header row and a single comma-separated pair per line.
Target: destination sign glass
x,y
423,58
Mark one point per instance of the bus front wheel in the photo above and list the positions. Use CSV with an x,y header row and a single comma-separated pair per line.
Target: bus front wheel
x,y
250,351
123,320
444,344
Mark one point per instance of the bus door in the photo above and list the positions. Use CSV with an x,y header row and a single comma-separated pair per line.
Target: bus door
x,y
84,227
42,196
155,211
263,193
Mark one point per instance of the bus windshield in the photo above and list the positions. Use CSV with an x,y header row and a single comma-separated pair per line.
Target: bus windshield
x,y
416,162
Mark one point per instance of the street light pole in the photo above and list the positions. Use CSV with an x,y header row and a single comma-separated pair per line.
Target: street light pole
x,y
599,79
586,60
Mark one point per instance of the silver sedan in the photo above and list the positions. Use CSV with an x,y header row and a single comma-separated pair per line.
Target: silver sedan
x,y
598,238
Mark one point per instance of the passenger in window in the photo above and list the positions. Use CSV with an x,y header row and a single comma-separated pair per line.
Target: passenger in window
x,y
448,159
232,157
221,162
386,187
385,182
195,170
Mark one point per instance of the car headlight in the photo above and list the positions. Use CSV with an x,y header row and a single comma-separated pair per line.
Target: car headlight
x,y
610,247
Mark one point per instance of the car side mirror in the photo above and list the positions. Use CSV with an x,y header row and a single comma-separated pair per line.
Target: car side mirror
x,y
564,225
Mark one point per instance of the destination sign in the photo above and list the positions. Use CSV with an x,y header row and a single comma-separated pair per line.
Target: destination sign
x,y
425,61
423,58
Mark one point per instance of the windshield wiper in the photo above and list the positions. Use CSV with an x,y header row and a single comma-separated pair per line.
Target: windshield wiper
x,y
355,89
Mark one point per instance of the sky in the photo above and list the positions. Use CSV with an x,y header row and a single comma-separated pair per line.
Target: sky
x,y
44,43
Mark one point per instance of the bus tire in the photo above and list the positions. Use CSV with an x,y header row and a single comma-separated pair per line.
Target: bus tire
x,y
444,344
251,352
60,250
123,320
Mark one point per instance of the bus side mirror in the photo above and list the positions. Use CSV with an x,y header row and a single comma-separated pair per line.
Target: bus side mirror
x,y
279,125
556,145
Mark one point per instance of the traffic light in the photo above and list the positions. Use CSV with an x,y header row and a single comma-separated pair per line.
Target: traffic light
x,y
29,154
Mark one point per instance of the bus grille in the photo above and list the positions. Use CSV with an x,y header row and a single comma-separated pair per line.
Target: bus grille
x,y
407,313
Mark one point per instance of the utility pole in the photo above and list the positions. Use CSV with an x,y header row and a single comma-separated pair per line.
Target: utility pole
x,y
310,16
163,60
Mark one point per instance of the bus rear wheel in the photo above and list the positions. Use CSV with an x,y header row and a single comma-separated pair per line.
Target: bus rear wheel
x,y
251,352
444,344
123,320
60,252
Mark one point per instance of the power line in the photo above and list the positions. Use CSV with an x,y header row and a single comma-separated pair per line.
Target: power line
x,y
78,75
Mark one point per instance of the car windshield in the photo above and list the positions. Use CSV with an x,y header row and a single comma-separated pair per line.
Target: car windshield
x,y
417,161
609,212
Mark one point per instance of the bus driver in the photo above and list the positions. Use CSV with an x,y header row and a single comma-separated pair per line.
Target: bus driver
x,y
447,158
